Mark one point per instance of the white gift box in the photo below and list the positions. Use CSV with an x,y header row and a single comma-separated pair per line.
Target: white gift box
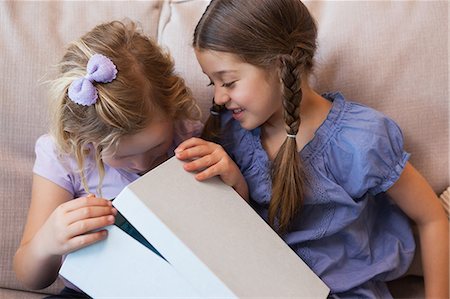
x,y
213,243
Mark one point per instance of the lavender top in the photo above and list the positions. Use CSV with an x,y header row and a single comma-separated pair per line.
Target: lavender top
x,y
349,232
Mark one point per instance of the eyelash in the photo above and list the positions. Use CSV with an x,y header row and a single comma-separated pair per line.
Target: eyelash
x,y
228,84
224,84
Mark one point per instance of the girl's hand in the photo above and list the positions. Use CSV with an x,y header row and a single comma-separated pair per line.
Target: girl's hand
x,y
74,224
56,225
210,159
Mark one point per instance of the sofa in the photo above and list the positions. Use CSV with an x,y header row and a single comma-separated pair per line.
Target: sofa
x,y
392,56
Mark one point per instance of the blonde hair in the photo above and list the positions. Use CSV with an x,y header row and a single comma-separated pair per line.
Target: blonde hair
x,y
146,85
275,35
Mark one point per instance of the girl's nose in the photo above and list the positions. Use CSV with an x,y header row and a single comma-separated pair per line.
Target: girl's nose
x,y
221,97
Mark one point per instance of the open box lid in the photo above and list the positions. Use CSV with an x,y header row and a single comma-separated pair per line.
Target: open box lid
x,y
213,238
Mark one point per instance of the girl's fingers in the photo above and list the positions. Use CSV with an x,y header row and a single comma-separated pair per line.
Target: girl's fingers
x,y
194,141
80,202
225,168
209,172
89,212
199,151
193,152
88,225
194,148
85,240
200,163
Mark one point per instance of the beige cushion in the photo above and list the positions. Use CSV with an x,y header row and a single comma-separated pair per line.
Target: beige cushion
x,y
389,55
175,31
32,38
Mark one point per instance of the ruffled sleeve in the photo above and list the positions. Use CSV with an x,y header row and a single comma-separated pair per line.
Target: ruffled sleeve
x,y
236,141
49,165
367,152
245,148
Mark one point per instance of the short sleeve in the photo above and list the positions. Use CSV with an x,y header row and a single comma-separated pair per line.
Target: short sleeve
x,y
49,165
245,148
368,153
234,140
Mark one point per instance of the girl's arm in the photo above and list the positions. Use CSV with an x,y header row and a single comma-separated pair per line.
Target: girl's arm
x,y
56,225
210,159
415,197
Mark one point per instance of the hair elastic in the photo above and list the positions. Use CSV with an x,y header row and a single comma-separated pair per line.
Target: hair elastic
x,y
99,69
291,136
213,112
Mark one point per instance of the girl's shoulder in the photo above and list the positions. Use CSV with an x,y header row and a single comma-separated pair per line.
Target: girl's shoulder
x,y
360,146
357,117
45,141
47,146
54,165
355,127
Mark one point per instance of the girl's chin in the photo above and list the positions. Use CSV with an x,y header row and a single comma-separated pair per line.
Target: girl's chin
x,y
139,172
248,126
154,165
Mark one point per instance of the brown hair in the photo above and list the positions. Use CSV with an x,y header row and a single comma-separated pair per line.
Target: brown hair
x,y
145,85
274,35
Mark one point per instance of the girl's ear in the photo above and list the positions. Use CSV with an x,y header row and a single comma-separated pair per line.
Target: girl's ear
x,y
275,72
276,69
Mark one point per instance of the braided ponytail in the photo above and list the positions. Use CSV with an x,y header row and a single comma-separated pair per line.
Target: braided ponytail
x,y
287,173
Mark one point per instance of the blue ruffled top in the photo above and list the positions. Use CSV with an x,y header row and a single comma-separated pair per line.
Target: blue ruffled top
x,y
348,232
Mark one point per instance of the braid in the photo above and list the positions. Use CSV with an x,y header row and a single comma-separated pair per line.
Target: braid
x,y
292,92
212,128
287,173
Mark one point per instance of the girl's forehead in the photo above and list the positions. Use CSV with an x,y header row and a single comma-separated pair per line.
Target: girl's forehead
x,y
211,57
153,131
151,136
217,64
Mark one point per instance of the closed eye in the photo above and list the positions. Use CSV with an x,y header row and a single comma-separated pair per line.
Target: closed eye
x,y
228,84
131,155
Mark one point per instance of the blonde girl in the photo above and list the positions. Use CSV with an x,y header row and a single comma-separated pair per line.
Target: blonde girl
x,y
119,110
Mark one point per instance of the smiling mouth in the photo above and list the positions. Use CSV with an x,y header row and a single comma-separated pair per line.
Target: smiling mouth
x,y
237,111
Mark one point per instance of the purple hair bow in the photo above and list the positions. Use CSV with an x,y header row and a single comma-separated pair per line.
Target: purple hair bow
x,y
99,69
